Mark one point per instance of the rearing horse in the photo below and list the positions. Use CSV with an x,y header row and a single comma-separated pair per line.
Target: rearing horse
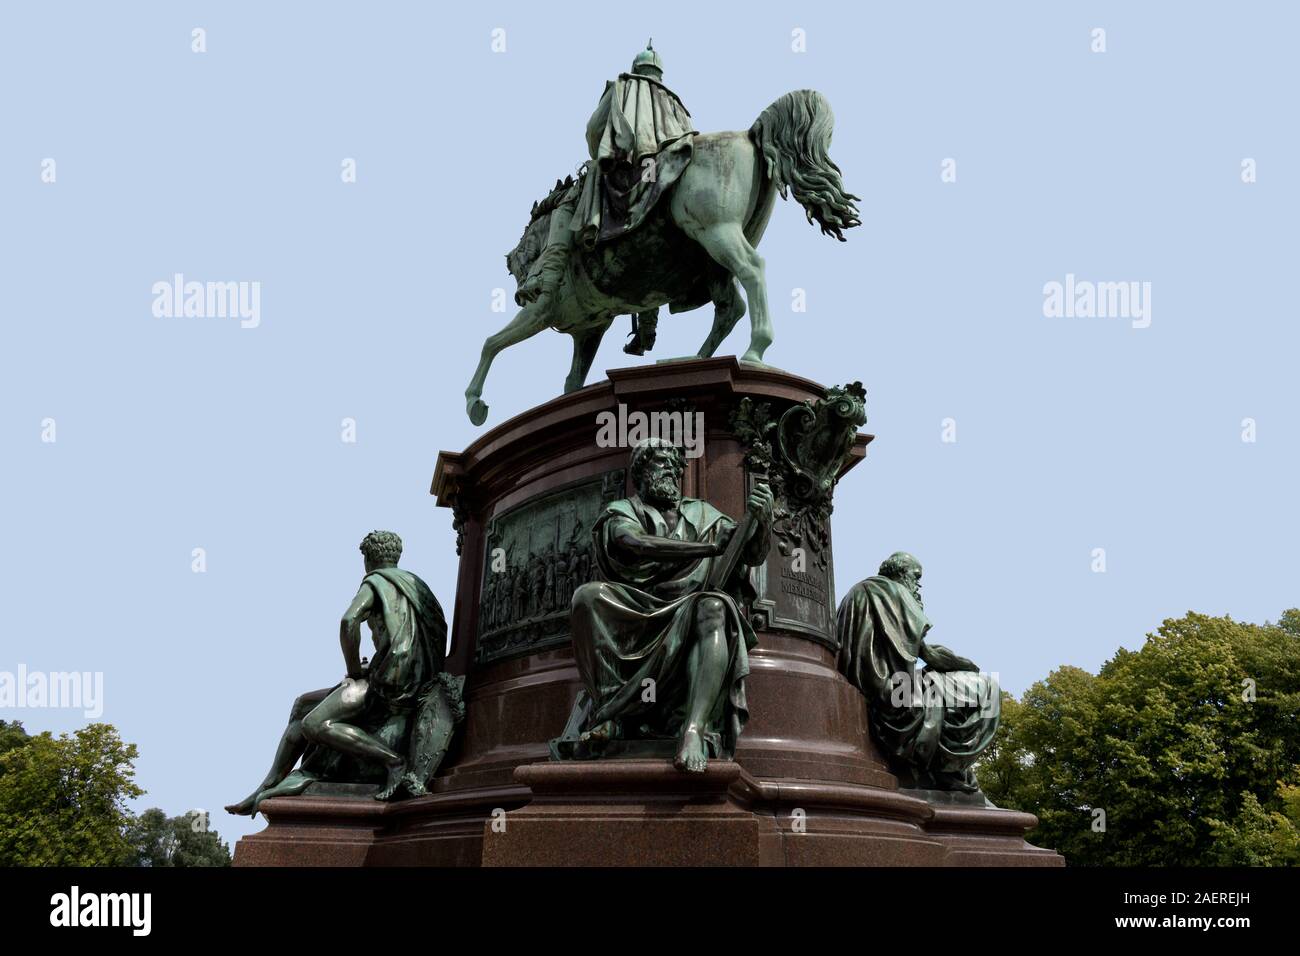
x,y
694,247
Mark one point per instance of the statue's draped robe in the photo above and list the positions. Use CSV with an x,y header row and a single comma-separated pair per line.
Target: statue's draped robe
x,y
637,623
638,118
933,723
410,636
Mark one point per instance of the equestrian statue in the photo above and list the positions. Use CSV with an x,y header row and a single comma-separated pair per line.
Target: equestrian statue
x,y
665,215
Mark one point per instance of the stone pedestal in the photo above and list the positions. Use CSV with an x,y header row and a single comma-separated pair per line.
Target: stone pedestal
x,y
633,813
532,486
439,830
646,813
979,837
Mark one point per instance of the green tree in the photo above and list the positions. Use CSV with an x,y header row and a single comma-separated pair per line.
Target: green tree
x,y
1258,837
158,840
63,799
1186,752
12,735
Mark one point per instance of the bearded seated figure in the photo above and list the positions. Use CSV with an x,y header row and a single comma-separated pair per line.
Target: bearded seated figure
x,y
661,641
931,711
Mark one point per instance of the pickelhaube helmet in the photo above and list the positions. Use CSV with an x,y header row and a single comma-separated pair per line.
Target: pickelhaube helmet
x,y
648,60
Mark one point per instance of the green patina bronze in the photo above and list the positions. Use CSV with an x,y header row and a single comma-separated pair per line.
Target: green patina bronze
x,y
801,451
538,554
660,639
664,215
387,725
932,711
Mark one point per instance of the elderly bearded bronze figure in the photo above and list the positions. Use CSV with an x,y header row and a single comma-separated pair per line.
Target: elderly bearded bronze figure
x,y
932,711
661,640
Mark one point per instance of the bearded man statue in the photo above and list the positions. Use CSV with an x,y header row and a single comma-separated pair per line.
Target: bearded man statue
x,y
931,721
661,640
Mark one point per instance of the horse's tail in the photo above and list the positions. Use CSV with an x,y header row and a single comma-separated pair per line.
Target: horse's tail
x,y
794,136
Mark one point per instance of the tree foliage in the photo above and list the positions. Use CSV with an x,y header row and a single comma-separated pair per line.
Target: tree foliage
x,y
63,802
1183,753
63,799
12,735
159,840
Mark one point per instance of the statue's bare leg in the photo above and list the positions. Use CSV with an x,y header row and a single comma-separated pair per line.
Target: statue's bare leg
x,y
726,243
290,786
328,725
706,669
527,322
287,753
585,344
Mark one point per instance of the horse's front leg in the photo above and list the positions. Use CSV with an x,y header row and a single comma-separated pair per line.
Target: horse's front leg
x,y
526,323
586,342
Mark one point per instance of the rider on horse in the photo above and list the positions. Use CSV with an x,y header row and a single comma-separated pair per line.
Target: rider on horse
x,y
640,139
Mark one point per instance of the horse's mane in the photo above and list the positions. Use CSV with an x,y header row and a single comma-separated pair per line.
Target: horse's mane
x,y
546,205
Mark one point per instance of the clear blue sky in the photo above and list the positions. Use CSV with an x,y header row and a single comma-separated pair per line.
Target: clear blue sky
x,y
175,434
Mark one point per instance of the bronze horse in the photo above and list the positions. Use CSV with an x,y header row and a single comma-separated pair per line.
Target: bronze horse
x,y
694,247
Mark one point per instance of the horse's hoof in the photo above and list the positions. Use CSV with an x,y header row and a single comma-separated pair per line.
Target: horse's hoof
x,y
752,358
477,410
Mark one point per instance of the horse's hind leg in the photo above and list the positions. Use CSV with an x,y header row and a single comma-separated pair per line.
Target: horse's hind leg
x,y
526,323
726,243
728,308
585,344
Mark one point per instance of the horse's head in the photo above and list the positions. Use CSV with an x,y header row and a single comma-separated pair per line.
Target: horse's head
x,y
521,258
530,245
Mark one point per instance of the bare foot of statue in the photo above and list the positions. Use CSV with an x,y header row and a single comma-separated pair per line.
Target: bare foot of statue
x,y
692,757
414,786
244,807
396,773
599,734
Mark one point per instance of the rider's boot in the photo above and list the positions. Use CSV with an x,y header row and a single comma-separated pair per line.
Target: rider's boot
x,y
644,325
